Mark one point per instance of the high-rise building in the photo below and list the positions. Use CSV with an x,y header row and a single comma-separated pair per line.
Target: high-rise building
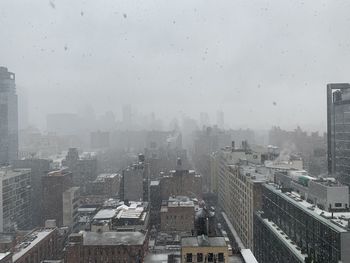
x,y
39,168
338,130
54,185
8,117
238,177
84,167
15,204
297,227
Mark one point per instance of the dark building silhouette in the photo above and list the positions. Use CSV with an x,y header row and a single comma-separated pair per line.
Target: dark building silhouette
x,y
84,168
54,184
8,117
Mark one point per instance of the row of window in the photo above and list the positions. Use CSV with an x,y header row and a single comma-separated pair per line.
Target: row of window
x,y
210,257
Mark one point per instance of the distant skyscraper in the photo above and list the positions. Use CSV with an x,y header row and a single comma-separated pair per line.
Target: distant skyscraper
x,y
338,130
204,119
127,116
220,119
8,117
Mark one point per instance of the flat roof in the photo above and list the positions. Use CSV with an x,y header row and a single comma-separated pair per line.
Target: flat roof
x,y
113,238
203,241
254,175
25,246
155,183
3,255
106,214
339,222
248,256
103,177
8,172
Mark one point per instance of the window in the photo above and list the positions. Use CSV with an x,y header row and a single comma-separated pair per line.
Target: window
x,y
210,257
221,257
199,257
337,204
188,257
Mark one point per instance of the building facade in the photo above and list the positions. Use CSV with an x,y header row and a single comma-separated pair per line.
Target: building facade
x,y
290,227
54,184
204,249
106,247
338,129
105,184
177,215
39,168
181,183
8,117
84,168
37,246
71,203
15,204
239,189
135,181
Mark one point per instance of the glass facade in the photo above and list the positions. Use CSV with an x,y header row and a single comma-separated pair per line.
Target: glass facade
x,y
319,240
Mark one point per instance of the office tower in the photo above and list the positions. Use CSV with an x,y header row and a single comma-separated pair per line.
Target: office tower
x,y
311,225
8,117
15,208
239,188
338,130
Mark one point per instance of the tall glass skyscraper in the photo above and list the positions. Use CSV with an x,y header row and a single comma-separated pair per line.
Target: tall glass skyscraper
x,y
8,117
338,130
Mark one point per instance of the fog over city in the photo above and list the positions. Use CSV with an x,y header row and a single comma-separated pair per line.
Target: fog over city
x,y
263,63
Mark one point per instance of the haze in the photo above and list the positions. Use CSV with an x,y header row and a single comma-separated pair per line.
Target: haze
x,y
263,63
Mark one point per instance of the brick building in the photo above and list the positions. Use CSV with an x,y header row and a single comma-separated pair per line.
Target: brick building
x,y
106,247
177,215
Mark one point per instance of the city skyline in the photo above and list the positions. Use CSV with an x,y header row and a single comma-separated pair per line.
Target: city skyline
x,y
231,57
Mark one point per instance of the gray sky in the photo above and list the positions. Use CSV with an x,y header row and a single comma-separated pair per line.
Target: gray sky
x,y
179,56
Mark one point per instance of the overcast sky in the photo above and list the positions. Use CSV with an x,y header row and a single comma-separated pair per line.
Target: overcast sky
x,y
173,56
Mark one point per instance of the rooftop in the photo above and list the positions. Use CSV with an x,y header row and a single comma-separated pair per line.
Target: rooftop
x,y
103,177
338,221
7,172
3,255
30,241
113,238
106,214
155,183
248,256
253,172
203,241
